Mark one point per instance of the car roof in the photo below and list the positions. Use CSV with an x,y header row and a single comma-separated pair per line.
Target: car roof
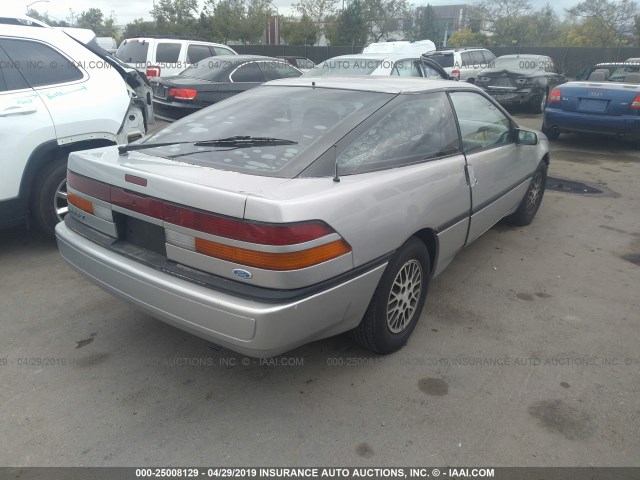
x,y
522,55
374,56
369,83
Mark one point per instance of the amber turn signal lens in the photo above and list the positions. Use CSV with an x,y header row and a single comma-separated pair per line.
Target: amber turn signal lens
x,y
80,202
270,260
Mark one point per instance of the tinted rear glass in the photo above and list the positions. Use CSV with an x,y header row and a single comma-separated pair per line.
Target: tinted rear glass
x,y
133,51
168,52
314,118
445,60
214,69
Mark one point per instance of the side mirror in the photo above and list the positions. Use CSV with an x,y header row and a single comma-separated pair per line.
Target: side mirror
x,y
526,137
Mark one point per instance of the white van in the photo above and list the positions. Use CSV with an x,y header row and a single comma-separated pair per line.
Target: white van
x,y
164,57
403,47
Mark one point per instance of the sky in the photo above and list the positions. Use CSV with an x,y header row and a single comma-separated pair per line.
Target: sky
x,y
127,10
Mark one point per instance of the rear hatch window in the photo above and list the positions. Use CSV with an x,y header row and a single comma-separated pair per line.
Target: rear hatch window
x,y
133,51
445,60
212,69
310,120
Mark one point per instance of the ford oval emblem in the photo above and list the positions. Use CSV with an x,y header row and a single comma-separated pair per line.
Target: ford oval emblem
x,y
243,274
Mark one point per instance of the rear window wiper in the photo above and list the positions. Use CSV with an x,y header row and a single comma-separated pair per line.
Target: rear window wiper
x,y
237,141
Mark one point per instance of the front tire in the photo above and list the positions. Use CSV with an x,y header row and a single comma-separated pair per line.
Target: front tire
x,y
49,196
397,303
531,202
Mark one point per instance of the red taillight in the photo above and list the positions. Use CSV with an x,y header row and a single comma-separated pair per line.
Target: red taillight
x,y
456,74
252,232
88,186
153,71
137,203
554,96
183,93
635,103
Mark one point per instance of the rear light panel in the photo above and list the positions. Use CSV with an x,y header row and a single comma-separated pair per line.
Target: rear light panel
x,y
264,236
635,103
182,93
554,96
456,73
153,71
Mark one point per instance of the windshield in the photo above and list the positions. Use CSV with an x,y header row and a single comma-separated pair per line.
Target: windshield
x,y
346,66
517,63
306,121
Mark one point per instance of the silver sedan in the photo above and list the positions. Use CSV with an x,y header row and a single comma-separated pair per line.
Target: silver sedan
x,y
301,209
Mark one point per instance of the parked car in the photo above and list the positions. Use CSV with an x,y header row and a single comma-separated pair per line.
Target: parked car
x,y
607,103
301,63
165,56
616,70
108,43
463,63
378,64
298,210
59,92
213,80
523,80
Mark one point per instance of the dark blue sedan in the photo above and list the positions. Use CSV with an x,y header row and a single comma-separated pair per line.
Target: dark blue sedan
x,y
608,102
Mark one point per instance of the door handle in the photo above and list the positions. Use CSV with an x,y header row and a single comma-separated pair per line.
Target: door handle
x,y
18,110
470,175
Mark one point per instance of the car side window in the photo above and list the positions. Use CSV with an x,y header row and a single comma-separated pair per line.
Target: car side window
x,y
195,53
168,52
477,59
419,129
482,124
38,64
10,78
548,65
405,68
488,58
275,70
466,60
222,51
249,72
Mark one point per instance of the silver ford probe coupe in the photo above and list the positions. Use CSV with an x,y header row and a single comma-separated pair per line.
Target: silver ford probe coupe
x,y
301,209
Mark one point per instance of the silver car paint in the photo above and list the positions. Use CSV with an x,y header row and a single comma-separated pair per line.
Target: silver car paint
x,y
246,326
374,212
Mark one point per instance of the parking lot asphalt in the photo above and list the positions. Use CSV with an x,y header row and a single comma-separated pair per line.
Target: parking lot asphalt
x,y
526,355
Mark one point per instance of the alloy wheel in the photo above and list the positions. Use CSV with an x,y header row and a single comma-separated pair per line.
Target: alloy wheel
x,y
404,296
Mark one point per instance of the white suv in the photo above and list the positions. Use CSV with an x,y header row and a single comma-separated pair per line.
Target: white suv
x,y
462,63
163,57
59,93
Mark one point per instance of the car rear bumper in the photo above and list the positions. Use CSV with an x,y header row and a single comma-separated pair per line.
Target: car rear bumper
x,y
172,111
514,98
250,327
591,123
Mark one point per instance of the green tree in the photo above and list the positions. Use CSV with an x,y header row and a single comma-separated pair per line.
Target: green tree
x,y
139,27
426,26
605,23
503,19
46,18
175,17
303,31
91,19
350,26
467,38
228,20
386,17
319,11
255,21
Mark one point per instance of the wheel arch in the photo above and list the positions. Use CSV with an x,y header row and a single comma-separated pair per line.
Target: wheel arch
x,y
429,237
47,152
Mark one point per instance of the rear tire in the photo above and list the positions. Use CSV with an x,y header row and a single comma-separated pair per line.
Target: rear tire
x,y
49,196
531,202
397,303
551,133
537,104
